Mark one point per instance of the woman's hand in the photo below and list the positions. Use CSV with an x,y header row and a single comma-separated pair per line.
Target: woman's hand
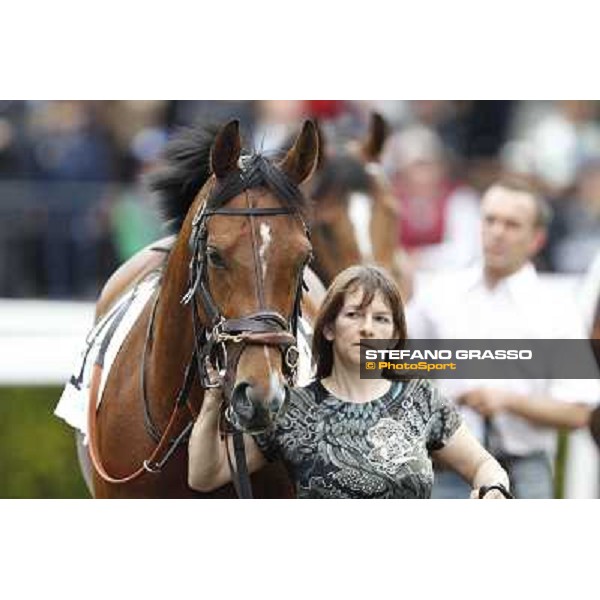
x,y
207,468
468,458
213,397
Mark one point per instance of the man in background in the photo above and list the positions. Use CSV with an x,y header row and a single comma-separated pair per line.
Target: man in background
x,y
502,298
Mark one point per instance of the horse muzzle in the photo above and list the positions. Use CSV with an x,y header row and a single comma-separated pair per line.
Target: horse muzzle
x,y
251,412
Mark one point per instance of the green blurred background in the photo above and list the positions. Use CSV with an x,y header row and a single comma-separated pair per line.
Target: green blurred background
x,y
38,458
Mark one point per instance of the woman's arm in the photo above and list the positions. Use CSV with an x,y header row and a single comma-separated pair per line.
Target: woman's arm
x,y
465,455
208,468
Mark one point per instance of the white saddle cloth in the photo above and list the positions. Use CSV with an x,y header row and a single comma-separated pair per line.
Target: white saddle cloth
x,y
73,404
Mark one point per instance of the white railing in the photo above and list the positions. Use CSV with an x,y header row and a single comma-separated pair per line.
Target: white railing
x,y
40,340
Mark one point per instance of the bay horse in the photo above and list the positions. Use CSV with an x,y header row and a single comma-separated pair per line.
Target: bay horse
x,y
355,219
229,292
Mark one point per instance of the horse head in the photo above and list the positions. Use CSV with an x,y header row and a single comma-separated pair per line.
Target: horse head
x,y
355,214
248,244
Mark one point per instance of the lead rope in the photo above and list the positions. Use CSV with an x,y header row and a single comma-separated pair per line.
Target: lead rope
x,y
240,476
156,461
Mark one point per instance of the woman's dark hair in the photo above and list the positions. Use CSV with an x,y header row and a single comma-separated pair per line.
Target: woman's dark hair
x,y
371,280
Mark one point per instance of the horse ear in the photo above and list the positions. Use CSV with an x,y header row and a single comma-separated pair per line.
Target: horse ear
x,y
301,160
226,149
378,132
322,145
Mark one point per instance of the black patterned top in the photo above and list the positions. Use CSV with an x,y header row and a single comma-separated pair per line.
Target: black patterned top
x,y
378,449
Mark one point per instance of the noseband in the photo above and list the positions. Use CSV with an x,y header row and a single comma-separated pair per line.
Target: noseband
x,y
222,340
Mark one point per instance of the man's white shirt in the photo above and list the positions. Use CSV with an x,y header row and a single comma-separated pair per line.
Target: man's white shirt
x,y
461,306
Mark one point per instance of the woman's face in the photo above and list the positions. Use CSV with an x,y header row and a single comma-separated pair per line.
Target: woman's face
x,y
353,324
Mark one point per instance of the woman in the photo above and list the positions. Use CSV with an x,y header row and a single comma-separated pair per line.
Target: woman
x,y
347,437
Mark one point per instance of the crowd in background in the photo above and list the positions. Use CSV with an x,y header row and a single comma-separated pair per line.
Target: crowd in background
x,y
73,204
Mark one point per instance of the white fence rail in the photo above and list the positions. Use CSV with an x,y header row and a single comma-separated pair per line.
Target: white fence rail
x,y
40,341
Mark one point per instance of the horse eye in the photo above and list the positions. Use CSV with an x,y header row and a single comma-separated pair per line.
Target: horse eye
x,y
326,231
214,258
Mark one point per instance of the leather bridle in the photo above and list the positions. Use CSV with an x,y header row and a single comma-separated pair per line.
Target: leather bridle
x,y
221,341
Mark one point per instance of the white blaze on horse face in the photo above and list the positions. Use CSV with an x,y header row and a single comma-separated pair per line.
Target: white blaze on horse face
x,y
265,242
268,360
360,209
274,381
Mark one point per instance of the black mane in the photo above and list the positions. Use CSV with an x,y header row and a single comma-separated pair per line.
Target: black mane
x,y
187,169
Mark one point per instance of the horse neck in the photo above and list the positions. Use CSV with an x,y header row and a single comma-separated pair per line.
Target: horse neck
x,y
173,336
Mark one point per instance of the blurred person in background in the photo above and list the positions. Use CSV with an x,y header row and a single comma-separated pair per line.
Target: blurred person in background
x,y
276,120
324,110
72,162
127,120
448,118
561,135
502,298
472,131
556,146
134,216
181,113
139,132
12,153
575,237
19,246
439,217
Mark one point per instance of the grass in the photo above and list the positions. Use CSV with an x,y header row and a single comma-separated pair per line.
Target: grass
x,y
38,458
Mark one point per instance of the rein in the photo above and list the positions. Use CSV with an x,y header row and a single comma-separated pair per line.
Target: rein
x,y
166,445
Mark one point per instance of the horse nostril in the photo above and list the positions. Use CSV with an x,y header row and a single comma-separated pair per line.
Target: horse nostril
x,y
251,410
241,403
